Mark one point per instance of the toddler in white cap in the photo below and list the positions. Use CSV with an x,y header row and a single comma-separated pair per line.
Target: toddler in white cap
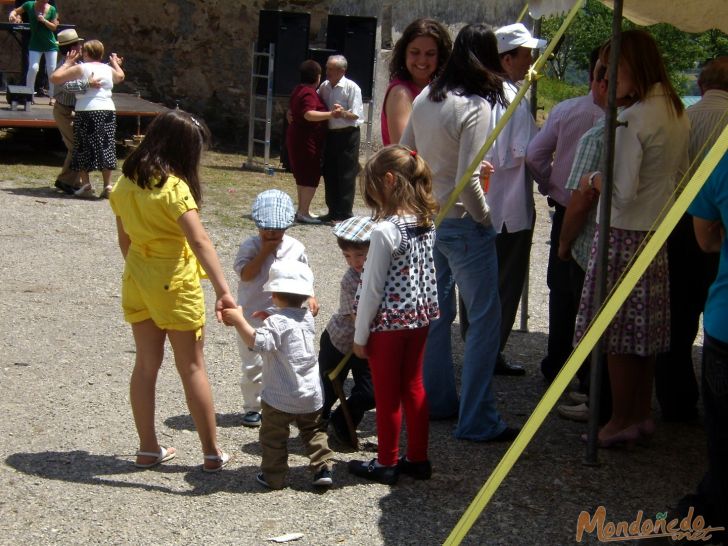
x,y
291,384
273,213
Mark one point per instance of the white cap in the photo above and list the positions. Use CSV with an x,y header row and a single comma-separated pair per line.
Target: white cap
x,y
516,35
291,277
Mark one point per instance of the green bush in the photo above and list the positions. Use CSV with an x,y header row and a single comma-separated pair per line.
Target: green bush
x,y
552,91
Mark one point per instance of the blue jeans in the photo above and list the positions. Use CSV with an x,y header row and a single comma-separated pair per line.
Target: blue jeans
x,y
465,256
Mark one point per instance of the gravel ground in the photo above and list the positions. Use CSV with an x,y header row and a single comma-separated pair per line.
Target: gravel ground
x,y
68,437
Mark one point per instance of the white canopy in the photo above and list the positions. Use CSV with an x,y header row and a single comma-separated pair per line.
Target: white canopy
x,y
687,15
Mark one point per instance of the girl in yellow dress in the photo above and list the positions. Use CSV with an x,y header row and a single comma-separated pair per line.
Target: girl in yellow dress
x,y
166,249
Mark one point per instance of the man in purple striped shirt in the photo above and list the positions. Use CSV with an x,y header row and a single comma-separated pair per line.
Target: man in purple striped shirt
x,y
549,158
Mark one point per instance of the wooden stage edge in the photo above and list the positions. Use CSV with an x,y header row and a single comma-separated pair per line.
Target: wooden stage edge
x,y
40,116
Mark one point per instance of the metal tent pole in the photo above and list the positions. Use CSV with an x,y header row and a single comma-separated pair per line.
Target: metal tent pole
x,y
605,205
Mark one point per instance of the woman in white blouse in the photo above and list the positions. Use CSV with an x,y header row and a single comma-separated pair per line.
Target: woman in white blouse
x,y
651,150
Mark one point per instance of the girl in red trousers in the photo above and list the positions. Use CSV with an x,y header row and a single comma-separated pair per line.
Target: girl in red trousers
x,y
395,304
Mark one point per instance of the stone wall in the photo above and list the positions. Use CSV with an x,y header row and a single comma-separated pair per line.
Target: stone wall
x,y
196,53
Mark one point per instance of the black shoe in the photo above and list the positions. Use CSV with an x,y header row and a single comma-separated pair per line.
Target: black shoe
x,y
340,431
503,367
388,475
508,435
418,471
322,478
687,415
260,478
65,188
325,218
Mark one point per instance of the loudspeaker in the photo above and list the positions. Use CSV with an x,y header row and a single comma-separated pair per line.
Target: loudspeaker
x,y
355,38
289,32
321,55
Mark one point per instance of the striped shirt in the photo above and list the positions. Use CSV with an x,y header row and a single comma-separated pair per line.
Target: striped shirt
x,y
291,381
708,117
65,94
341,323
551,152
587,158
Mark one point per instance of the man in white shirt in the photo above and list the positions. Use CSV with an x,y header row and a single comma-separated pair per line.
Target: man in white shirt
x,y
510,195
341,155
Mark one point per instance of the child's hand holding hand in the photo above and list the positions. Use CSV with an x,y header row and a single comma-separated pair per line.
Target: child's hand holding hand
x,y
359,350
224,301
232,315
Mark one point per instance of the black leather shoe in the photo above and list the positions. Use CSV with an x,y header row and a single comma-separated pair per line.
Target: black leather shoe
x,y
503,367
65,188
388,475
508,435
418,471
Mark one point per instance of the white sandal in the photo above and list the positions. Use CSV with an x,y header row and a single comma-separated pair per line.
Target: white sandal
x,y
84,191
162,456
223,459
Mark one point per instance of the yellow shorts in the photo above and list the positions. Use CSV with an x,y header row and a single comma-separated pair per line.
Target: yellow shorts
x,y
166,291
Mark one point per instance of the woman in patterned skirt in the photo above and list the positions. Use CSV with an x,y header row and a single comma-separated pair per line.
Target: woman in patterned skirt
x,y
94,128
651,149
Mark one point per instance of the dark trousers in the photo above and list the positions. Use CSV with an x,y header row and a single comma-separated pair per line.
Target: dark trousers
x,y
341,167
513,251
711,500
361,398
691,273
565,280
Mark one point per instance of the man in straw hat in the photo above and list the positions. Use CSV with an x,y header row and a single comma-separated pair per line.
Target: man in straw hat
x,y
64,102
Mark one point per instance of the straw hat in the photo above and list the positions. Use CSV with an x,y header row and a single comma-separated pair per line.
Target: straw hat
x,y
68,37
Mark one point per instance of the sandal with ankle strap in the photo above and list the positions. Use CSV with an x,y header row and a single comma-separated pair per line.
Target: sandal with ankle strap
x,y
223,459
162,456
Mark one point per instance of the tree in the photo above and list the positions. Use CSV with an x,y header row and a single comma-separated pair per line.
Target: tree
x,y
592,26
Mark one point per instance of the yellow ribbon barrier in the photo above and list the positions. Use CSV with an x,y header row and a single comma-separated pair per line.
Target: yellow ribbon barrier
x,y
523,13
333,374
507,115
600,323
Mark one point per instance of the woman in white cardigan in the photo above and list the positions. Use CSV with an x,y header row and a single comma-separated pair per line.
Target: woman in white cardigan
x,y
651,151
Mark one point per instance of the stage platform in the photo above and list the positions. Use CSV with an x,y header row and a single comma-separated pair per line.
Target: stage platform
x,y
40,114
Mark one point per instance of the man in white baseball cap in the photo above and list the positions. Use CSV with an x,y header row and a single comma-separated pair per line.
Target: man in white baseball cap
x,y
514,47
510,195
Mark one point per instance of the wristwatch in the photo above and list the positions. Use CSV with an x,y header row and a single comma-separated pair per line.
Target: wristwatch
x,y
591,178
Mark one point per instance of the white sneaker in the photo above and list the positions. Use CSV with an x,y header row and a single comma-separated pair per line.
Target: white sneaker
x,y
574,413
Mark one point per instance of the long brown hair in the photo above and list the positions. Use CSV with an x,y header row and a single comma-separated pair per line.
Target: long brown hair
x,y
173,145
641,56
420,27
412,187
474,67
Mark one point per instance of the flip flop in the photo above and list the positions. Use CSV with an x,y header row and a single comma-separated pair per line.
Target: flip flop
x,y
223,459
163,456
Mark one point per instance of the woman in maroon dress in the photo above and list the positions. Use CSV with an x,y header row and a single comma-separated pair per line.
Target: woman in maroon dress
x,y
305,137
